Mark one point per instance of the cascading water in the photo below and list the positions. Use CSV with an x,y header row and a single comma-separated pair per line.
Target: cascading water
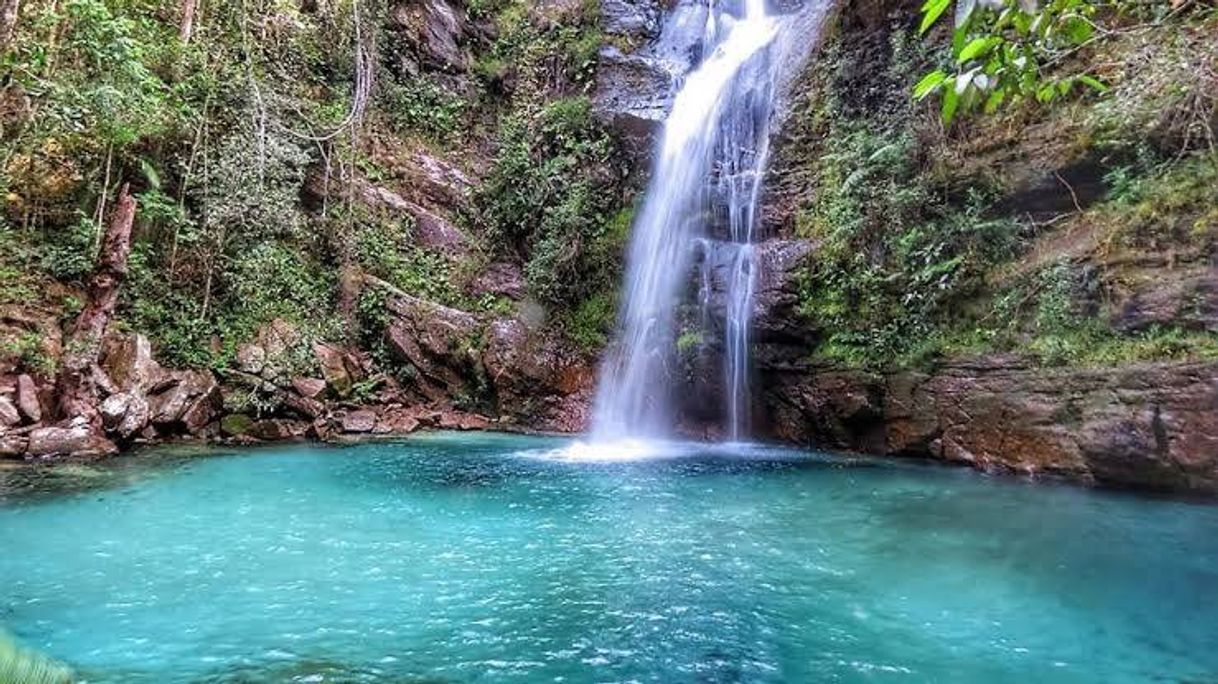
x,y
708,172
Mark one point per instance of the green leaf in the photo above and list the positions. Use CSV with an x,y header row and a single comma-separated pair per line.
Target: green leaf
x,y
1094,83
931,11
150,173
929,83
1077,29
951,101
976,48
994,101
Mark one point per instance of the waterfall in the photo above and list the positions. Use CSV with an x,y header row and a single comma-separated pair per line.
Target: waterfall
x,y
707,173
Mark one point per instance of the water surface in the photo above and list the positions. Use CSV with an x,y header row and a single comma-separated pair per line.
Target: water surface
x,y
458,558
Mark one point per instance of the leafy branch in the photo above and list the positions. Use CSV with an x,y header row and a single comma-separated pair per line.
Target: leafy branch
x,y
1004,52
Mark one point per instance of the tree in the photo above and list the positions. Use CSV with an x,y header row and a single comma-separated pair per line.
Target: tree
x,y
78,395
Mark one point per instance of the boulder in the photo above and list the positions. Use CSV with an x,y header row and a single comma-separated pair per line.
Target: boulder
x,y
277,430
358,421
340,367
460,420
128,363
76,440
251,358
125,414
435,31
439,342
309,388
27,399
1190,301
397,422
13,446
190,399
537,381
502,279
9,416
306,407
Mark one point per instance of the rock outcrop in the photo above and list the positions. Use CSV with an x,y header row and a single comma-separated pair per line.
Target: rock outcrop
x,y
526,378
1146,426
635,85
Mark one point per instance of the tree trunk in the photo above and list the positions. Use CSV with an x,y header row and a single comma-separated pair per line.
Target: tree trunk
x,y
77,391
9,11
186,30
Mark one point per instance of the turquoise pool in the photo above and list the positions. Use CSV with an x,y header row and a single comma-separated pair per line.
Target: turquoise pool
x,y
481,558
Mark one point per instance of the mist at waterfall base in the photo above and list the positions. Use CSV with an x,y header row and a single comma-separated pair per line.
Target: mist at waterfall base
x,y
709,165
478,558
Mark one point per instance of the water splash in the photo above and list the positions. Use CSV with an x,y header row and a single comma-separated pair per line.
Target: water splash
x,y
708,171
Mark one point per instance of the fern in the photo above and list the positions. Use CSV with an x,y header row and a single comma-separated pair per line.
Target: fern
x,y
20,665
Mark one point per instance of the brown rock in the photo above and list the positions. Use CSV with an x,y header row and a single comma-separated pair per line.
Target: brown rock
x,y
76,440
438,341
128,363
309,408
398,422
1147,425
9,415
13,446
435,30
358,421
125,414
309,388
341,368
502,279
251,358
277,430
459,420
27,399
188,398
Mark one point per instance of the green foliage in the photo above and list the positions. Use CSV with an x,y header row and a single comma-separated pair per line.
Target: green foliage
x,y
27,350
15,288
1173,206
590,324
1005,52
419,105
896,256
68,255
540,42
553,197
384,249
688,341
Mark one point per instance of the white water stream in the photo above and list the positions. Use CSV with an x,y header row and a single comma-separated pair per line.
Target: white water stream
x,y
707,172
